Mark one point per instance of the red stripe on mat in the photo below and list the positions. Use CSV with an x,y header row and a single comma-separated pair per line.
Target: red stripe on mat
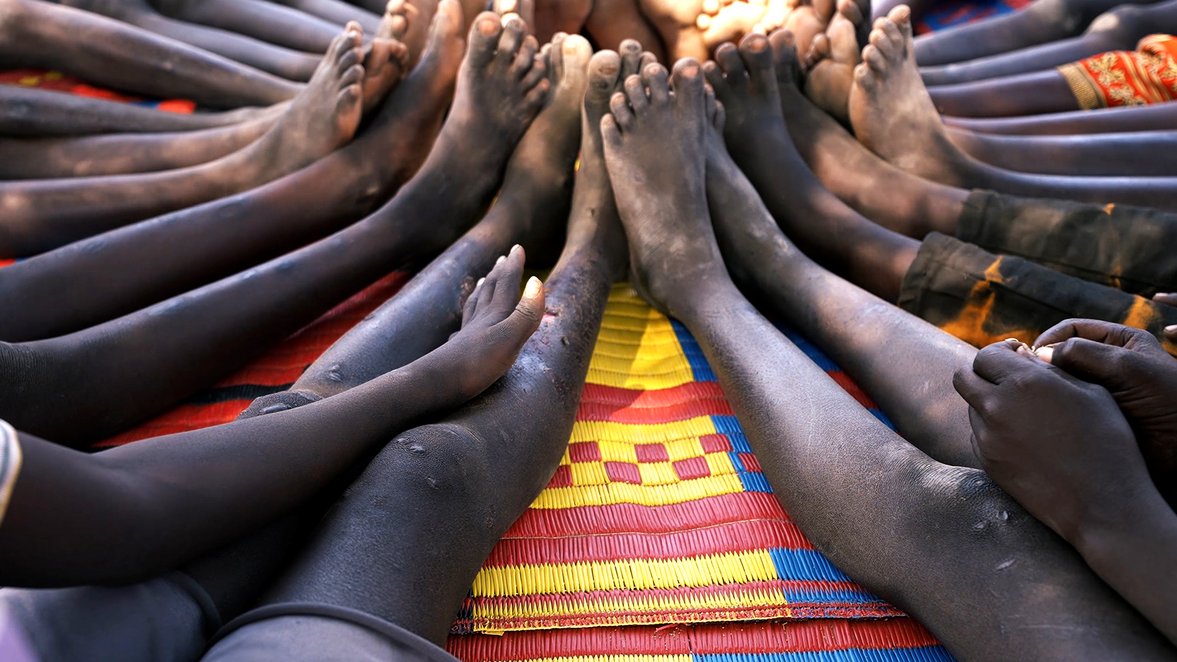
x,y
747,638
726,538
620,405
633,518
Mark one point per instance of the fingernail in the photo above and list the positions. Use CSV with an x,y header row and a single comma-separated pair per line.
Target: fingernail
x,y
1172,328
515,249
533,288
1045,353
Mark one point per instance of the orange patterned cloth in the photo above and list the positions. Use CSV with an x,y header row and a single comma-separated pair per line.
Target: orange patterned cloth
x,y
1126,78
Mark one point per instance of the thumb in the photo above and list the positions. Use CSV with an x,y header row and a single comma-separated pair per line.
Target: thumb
x,y
1090,361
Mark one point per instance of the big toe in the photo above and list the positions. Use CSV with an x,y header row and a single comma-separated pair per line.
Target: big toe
x,y
604,73
575,53
784,56
757,55
688,86
484,39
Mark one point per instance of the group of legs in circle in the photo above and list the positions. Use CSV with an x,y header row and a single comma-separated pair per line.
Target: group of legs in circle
x,y
795,154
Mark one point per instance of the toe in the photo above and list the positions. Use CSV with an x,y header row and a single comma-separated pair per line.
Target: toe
x,y
484,39
818,51
864,77
882,42
757,55
512,38
784,53
354,75
610,133
688,85
620,110
728,58
349,59
636,95
657,81
873,58
603,71
525,56
714,78
631,57
539,70
349,99
556,56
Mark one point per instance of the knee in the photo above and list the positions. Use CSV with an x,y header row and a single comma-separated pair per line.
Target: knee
x,y
442,465
969,501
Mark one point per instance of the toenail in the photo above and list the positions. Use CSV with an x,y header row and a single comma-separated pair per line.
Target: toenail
x,y
487,26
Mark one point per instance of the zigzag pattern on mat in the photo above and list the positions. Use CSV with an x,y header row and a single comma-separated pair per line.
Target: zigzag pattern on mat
x,y
896,640
659,512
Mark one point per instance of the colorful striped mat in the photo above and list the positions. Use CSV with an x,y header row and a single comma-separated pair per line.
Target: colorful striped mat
x,y
659,512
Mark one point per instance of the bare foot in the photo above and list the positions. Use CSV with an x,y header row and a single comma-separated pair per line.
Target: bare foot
x,y
325,114
832,59
890,108
408,22
387,60
654,150
503,82
744,81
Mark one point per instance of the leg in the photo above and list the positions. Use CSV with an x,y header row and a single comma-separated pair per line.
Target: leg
x,y
279,217
527,208
1117,30
113,54
338,12
1043,21
893,115
322,118
450,507
757,135
1096,155
267,21
124,153
26,112
812,438
1157,117
285,62
198,336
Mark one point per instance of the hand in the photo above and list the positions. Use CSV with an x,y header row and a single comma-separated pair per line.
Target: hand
x,y
496,322
1058,445
1141,376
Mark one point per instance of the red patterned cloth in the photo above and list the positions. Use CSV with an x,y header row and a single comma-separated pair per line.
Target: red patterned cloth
x,y
1126,78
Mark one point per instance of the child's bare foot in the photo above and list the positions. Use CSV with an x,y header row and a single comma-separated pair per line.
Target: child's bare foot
x,y
890,108
387,59
654,150
744,81
408,22
832,59
325,114
502,83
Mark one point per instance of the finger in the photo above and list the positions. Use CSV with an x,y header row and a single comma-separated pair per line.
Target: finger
x,y
1097,330
525,319
487,291
1103,364
506,293
972,388
1003,360
1167,298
